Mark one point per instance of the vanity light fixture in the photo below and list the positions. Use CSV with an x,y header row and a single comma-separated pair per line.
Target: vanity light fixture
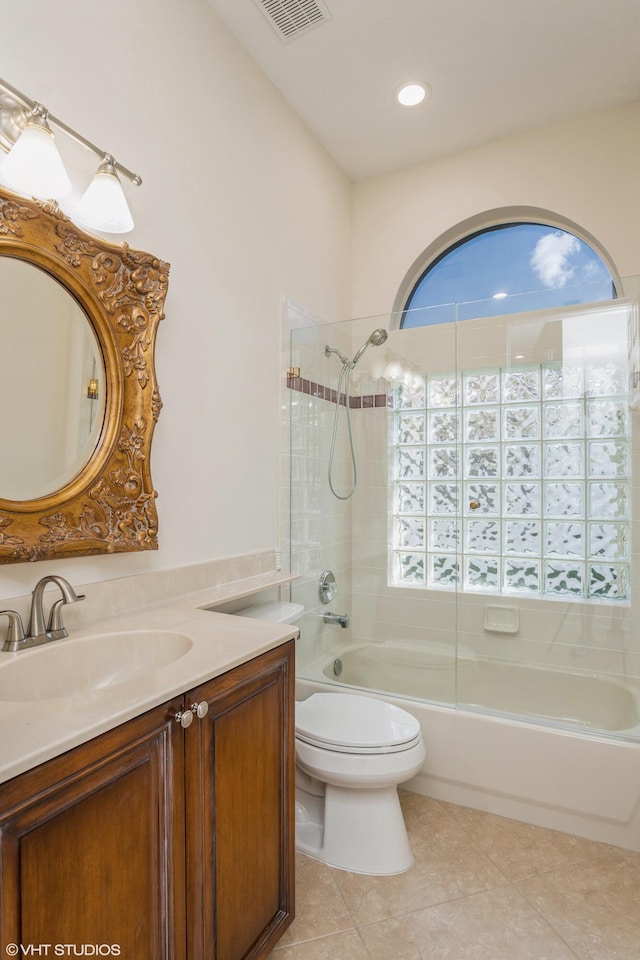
x,y
103,204
412,93
33,166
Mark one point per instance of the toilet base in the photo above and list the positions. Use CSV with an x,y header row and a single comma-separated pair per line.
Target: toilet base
x,y
362,831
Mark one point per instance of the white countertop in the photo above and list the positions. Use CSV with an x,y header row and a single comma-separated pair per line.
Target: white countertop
x,y
37,730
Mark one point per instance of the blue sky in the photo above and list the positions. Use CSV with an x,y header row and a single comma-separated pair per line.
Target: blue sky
x,y
536,265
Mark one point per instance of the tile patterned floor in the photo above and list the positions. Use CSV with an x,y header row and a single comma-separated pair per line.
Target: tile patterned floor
x,y
481,888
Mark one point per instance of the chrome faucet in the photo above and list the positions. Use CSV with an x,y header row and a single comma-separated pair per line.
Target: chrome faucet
x,y
36,632
341,618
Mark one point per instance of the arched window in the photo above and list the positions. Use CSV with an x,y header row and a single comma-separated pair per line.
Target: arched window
x,y
510,472
509,268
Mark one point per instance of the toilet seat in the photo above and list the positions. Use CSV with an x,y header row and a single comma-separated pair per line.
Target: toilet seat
x,y
348,723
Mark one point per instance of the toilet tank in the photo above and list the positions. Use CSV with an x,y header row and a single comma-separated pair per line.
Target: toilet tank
x,y
278,611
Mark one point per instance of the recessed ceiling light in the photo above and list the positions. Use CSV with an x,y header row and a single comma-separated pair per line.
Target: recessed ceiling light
x,y
413,93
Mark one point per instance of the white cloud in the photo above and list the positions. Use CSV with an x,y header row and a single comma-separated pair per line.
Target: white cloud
x,y
551,256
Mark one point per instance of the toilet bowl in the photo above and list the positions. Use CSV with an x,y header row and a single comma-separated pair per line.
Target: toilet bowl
x,y
352,751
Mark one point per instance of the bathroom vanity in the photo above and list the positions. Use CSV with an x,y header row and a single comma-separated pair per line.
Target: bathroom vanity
x,y
147,760
168,835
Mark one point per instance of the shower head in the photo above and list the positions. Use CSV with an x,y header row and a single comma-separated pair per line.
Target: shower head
x,y
377,338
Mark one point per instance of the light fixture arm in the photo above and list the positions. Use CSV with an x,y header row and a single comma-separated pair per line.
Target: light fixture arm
x,y
36,109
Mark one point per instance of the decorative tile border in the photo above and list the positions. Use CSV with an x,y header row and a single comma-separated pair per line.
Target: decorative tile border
x,y
328,393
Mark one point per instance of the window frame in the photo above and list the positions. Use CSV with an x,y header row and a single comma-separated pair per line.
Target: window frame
x,y
477,224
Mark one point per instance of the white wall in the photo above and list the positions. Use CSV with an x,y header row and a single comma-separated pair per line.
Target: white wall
x,y
244,204
248,207
586,171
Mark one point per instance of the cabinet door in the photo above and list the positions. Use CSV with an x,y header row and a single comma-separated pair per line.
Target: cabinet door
x,y
240,796
92,845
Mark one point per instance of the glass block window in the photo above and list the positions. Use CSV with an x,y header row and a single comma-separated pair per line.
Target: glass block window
x,y
514,481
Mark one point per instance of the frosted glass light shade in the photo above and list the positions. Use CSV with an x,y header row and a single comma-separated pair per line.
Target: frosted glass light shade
x,y
34,167
104,205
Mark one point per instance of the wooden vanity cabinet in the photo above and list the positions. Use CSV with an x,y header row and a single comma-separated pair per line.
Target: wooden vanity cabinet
x,y
167,843
92,845
240,836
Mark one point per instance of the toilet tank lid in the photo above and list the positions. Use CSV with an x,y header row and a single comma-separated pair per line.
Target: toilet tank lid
x,y
278,611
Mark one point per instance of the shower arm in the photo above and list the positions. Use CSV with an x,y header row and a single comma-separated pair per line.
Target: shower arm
x,y
345,360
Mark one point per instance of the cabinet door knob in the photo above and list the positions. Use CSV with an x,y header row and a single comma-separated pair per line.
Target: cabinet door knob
x,y
184,718
200,709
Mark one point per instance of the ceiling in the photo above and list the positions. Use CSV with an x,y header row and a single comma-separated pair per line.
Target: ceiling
x,y
495,67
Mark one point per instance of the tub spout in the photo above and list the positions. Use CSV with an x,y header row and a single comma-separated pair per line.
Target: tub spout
x,y
341,618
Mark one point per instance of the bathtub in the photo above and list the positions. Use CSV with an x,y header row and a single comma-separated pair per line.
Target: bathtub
x,y
429,673
545,746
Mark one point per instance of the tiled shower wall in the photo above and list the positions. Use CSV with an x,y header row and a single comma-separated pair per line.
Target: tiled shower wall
x,y
316,527
582,637
352,537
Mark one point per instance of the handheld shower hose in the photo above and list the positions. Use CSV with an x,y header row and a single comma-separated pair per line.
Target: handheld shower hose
x,y
377,338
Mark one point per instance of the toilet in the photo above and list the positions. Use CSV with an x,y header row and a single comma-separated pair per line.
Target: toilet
x,y
352,751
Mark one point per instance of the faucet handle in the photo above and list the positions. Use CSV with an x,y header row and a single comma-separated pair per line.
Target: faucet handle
x,y
15,634
55,624
55,627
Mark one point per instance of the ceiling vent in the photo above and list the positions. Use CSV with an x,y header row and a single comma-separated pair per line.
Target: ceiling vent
x,y
291,18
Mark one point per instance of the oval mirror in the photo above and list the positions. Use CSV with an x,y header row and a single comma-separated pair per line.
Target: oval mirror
x,y
52,388
79,397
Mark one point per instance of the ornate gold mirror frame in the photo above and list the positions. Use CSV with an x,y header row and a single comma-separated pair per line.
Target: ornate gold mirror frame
x,y
109,506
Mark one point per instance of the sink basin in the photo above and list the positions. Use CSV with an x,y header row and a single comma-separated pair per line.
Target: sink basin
x,y
66,667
